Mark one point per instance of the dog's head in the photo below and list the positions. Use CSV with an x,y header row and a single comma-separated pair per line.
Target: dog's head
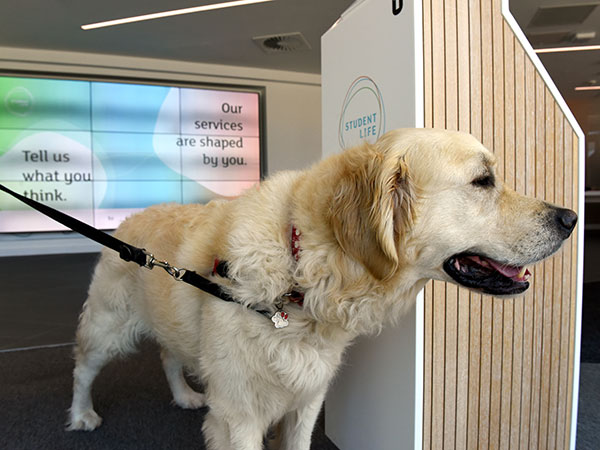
x,y
427,203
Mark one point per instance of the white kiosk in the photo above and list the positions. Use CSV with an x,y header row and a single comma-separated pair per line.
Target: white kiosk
x,y
466,65
371,71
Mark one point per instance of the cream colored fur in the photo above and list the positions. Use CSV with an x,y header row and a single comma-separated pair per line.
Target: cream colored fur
x,y
377,222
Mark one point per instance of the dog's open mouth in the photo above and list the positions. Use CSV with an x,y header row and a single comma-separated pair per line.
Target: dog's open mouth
x,y
487,275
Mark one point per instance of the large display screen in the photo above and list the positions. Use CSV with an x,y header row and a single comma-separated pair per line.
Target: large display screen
x,y
100,151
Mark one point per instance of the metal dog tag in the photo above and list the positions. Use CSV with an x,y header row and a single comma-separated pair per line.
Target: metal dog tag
x,y
280,319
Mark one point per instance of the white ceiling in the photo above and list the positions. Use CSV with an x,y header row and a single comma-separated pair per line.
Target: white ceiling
x,y
225,36
220,36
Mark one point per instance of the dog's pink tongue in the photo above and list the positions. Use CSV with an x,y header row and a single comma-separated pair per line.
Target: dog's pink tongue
x,y
507,271
514,272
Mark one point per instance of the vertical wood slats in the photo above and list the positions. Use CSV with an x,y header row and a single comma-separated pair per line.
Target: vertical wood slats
x,y
499,373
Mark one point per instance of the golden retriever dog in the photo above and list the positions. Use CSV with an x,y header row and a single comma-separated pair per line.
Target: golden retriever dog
x,y
357,236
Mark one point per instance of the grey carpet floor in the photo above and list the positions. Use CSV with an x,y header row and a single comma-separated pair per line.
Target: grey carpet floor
x,y
588,416
131,395
590,323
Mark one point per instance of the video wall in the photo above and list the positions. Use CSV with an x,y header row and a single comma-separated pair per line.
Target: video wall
x,y
100,151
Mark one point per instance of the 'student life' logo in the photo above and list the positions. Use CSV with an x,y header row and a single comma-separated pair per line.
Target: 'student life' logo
x,y
363,114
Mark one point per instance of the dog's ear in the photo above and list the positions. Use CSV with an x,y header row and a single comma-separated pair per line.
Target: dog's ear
x,y
372,208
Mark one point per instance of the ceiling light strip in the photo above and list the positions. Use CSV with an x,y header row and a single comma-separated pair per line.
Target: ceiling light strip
x,y
175,12
587,88
578,48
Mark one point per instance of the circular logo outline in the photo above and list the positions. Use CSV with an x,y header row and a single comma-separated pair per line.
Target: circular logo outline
x,y
353,90
8,100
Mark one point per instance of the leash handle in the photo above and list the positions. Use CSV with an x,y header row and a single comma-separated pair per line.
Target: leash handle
x,y
126,251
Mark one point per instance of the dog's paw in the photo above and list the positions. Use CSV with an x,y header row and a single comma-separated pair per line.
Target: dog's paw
x,y
86,421
190,400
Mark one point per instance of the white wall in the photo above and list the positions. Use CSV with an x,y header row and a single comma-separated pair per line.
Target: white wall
x,y
293,113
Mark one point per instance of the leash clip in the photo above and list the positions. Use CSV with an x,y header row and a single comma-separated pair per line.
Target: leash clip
x,y
151,261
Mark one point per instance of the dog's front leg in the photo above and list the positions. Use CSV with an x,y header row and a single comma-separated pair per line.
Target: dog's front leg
x,y
298,425
222,434
246,436
216,432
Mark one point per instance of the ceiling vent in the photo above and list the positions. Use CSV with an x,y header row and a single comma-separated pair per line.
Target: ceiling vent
x,y
282,43
549,16
555,38
538,40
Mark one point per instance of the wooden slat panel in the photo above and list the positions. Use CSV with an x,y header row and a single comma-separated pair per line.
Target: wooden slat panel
x,y
450,66
450,364
520,186
496,371
562,432
487,93
439,289
573,305
509,178
507,370
438,377
529,301
556,286
497,42
463,61
546,324
475,98
498,148
451,291
509,108
485,371
487,80
548,281
499,373
538,272
463,335
475,102
462,370
438,66
474,371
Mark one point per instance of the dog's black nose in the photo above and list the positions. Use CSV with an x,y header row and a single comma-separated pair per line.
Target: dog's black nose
x,y
566,218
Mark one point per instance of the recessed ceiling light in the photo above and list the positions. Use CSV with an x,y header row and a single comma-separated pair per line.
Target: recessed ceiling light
x,y
175,12
578,48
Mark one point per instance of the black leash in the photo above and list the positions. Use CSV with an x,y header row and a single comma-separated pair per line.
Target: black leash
x,y
143,258
126,251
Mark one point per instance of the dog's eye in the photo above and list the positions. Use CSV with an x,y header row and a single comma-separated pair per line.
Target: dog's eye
x,y
485,181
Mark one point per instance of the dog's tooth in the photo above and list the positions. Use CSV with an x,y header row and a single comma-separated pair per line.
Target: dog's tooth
x,y
522,272
457,265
